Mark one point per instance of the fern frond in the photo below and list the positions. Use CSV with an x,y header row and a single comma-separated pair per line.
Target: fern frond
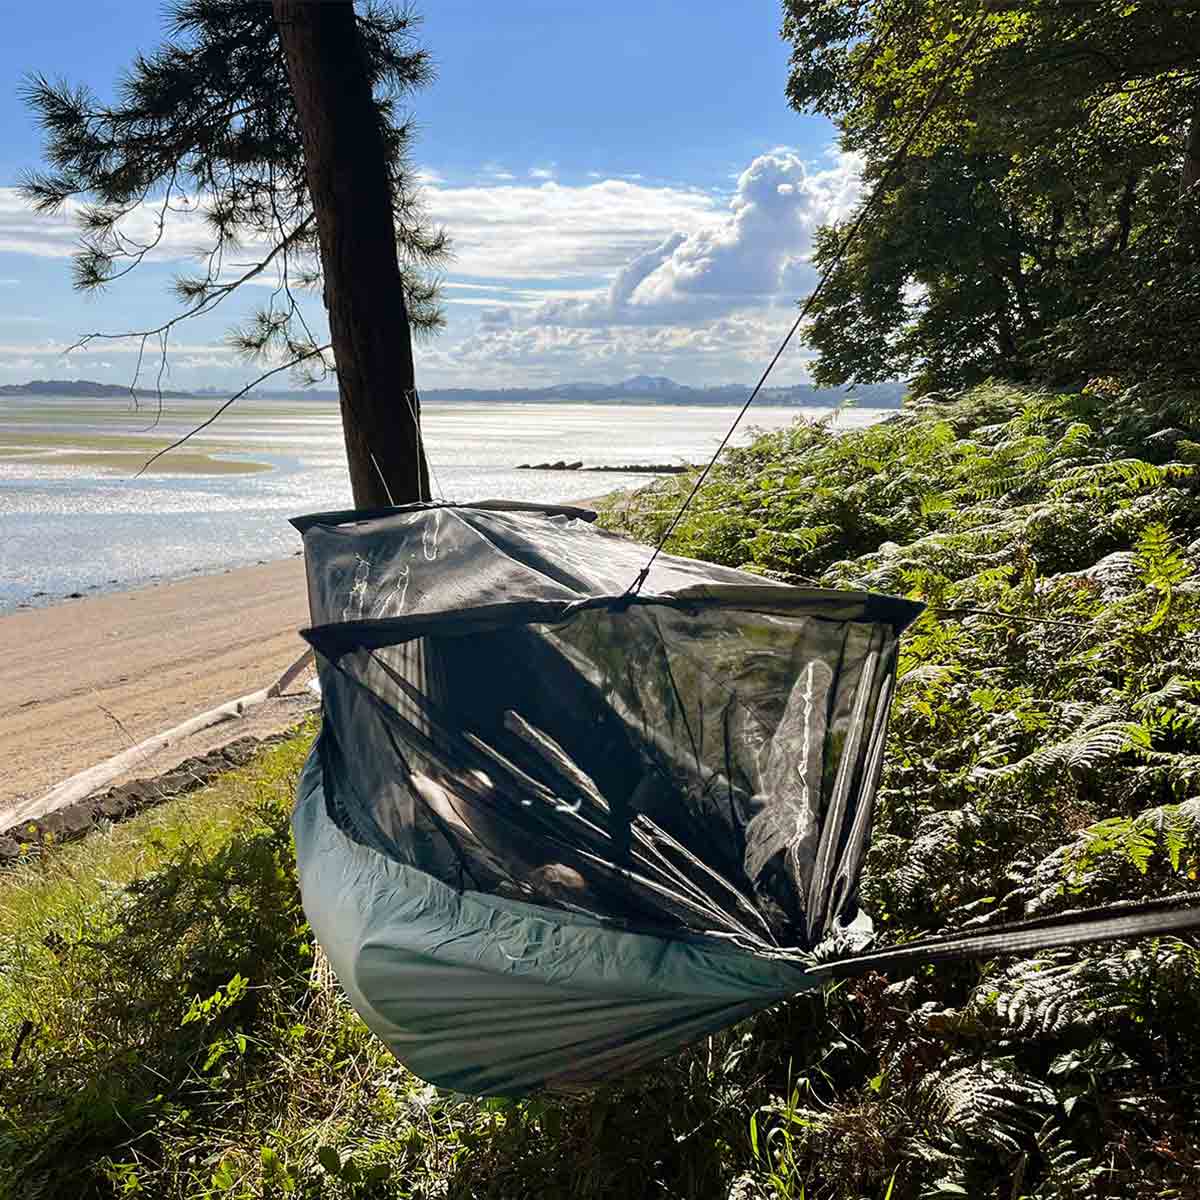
x,y
1039,998
989,1105
1085,750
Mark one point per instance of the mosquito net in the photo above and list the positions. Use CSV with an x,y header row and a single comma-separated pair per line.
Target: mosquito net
x,y
698,759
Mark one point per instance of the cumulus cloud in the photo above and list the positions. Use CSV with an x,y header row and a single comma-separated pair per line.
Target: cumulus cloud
x,y
757,252
503,352
705,299
553,281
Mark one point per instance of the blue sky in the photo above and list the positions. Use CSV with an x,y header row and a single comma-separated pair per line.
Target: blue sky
x,y
624,185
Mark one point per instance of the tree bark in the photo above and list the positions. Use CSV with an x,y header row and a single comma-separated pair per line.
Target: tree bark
x,y
350,188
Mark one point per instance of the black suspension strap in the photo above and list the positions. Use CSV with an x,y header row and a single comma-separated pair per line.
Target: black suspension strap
x,y
1086,926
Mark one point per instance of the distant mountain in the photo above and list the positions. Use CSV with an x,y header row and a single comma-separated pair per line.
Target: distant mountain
x,y
657,389
640,389
83,387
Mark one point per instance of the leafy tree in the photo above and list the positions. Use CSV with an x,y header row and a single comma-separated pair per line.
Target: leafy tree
x,y
1046,221
281,123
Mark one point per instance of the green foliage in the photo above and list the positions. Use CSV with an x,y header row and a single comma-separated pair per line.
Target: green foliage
x,y
1038,228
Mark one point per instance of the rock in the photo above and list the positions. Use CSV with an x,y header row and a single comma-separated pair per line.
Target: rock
x,y
174,782
126,799
25,834
115,805
52,825
134,794
77,819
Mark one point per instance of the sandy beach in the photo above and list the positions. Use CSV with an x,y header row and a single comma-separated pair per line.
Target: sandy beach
x,y
83,680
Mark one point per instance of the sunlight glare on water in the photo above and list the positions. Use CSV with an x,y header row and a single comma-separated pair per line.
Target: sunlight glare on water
x,y
67,526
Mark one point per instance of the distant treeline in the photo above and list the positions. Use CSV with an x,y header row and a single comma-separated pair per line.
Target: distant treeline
x,y
86,388
634,391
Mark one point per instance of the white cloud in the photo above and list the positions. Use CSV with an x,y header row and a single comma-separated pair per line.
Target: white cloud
x,y
502,230
541,172
189,364
553,232
500,294
757,252
506,351
552,281
56,349
704,298
56,235
22,231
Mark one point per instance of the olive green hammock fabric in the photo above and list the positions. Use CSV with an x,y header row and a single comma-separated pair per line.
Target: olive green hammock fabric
x,y
552,830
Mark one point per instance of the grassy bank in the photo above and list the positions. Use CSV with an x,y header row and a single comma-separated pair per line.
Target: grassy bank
x,y
173,1034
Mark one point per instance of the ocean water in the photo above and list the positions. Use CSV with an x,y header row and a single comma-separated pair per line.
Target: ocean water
x,y
78,527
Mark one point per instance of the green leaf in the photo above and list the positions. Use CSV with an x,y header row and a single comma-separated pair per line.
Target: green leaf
x,y
223,1178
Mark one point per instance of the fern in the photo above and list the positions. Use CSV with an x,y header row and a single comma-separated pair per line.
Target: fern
x,y
1043,997
1097,741
1163,569
1129,475
1115,857
989,1104
1069,1171
1043,756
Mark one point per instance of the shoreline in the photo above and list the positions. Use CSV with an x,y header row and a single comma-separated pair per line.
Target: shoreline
x,y
84,677
82,681
41,601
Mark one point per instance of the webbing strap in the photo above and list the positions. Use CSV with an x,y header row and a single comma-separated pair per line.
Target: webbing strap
x,y
1110,922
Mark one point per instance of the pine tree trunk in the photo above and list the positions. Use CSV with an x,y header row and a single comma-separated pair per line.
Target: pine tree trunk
x,y
348,181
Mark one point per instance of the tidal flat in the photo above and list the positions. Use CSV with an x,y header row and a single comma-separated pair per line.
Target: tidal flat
x,y
126,453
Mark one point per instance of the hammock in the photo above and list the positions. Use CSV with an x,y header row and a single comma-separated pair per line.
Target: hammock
x,y
552,831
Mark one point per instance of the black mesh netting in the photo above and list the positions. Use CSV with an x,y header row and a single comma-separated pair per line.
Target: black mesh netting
x,y
700,759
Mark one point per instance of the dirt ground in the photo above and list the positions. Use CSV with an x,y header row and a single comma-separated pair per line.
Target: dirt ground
x,y
86,679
